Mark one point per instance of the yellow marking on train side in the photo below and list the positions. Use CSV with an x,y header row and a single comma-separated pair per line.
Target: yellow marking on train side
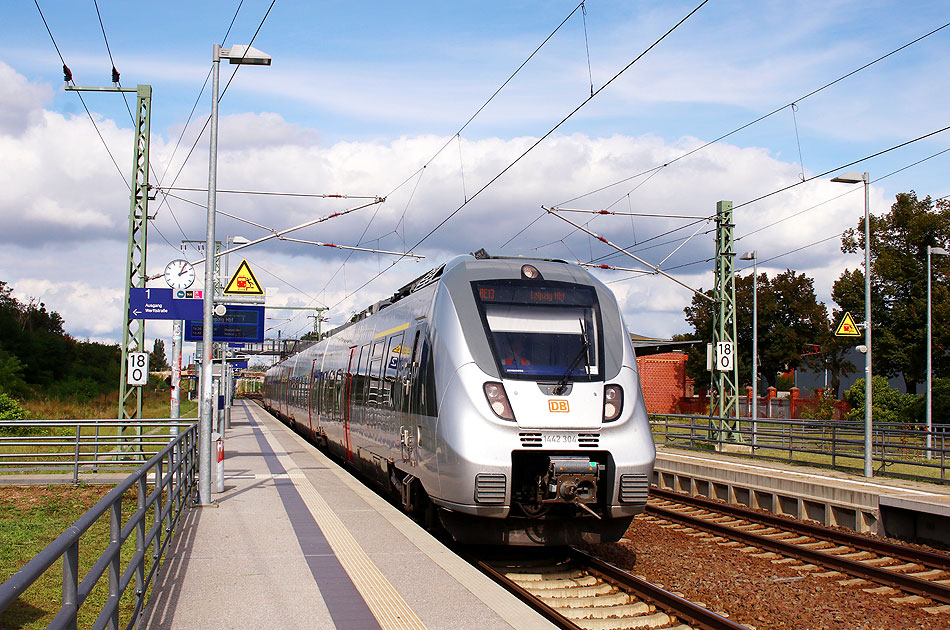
x,y
386,333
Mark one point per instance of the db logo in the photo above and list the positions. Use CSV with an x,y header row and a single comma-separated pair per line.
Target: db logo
x,y
558,406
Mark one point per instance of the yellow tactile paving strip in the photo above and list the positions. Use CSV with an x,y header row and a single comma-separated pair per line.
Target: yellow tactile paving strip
x,y
390,609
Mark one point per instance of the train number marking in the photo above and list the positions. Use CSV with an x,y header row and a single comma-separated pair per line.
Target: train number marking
x,y
558,406
560,438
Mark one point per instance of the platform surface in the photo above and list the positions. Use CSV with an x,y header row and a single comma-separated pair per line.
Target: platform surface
x,y
296,542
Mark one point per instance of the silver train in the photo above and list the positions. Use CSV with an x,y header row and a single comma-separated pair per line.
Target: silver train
x,y
498,398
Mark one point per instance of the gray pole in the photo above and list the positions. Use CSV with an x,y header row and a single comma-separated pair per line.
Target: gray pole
x,y
929,375
868,424
755,341
206,417
176,374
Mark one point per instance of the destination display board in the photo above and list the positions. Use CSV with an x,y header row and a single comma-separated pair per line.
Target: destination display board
x,y
239,323
548,293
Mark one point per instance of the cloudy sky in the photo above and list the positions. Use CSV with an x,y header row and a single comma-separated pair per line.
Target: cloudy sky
x,y
378,98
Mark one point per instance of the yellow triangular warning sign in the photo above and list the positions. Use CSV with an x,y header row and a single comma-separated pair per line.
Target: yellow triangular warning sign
x,y
847,327
243,282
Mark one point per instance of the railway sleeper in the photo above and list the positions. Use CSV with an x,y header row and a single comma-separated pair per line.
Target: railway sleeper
x,y
593,601
656,620
577,591
556,584
605,612
538,576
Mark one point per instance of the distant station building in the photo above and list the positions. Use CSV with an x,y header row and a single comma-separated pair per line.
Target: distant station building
x,y
662,366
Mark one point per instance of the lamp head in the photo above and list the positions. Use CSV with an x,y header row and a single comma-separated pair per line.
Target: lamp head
x,y
749,255
851,177
938,250
246,55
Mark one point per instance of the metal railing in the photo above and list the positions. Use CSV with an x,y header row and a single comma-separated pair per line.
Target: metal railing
x,y
898,450
82,446
171,472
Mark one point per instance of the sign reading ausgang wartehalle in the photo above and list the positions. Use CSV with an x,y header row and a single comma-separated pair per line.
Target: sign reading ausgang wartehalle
x,y
149,303
239,323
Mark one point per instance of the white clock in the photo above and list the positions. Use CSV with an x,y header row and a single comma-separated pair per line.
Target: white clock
x,y
179,274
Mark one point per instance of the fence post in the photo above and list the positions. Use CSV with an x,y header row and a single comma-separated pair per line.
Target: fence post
x,y
140,543
115,563
834,444
76,458
71,583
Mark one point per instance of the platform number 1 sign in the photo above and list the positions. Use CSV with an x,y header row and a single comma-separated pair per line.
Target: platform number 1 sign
x,y
137,368
725,356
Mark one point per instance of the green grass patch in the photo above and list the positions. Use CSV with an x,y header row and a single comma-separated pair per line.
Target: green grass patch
x,y
155,404
30,519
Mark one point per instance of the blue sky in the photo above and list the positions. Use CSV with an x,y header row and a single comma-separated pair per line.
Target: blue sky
x,y
361,95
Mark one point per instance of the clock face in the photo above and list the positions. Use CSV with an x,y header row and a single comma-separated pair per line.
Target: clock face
x,y
179,274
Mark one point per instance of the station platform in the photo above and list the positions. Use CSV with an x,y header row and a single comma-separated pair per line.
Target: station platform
x,y
295,542
906,509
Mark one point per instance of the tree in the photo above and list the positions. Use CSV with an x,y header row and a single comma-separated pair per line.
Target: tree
x,y
899,241
37,356
791,323
158,361
888,404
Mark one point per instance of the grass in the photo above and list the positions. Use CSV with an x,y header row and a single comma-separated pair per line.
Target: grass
x,y
58,442
155,404
30,519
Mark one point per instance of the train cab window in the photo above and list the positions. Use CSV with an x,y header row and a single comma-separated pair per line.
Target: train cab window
x,y
542,332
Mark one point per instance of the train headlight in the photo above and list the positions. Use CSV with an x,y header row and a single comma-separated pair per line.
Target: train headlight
x,y
530,272
498,400
613,402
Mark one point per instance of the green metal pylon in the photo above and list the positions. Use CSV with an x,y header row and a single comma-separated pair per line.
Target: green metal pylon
x,y
133,330
724,323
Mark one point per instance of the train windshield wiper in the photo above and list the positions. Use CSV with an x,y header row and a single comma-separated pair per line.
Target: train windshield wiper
x,y
582,354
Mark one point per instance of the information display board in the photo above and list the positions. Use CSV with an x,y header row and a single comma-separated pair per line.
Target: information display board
x,y
239,323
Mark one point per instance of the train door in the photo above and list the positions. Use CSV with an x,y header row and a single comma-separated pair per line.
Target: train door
x,y
310,395
283,407
346,402
410,429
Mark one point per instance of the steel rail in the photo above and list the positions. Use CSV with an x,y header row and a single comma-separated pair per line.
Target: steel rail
x,y
928,558
543,609
697,616
683,609
904,582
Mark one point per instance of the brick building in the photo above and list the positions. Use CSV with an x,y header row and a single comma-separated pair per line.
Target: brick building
x,y
664,381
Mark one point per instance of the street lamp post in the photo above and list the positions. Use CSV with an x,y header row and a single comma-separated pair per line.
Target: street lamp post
x,y
854,177
753,256
940,252
236,55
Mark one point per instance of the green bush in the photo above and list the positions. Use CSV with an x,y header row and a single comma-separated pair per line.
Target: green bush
x,y
10,409
888,404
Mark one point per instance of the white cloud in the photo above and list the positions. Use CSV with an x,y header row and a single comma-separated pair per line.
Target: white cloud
x,y
20,100
63,210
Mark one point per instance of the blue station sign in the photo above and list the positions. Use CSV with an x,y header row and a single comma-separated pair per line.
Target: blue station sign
x,y
149,303
239,323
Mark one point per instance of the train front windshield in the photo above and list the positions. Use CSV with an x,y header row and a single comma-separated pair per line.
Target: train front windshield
x,y
542,331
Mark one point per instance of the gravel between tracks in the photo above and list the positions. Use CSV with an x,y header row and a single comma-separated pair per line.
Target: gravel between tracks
x,y
756,591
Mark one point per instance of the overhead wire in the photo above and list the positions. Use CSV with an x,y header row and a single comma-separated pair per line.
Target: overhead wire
x,y
208,119
655,169
421,170
764,116
541,139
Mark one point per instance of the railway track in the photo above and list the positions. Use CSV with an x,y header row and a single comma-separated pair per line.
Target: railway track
x,y
577,591
893,567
